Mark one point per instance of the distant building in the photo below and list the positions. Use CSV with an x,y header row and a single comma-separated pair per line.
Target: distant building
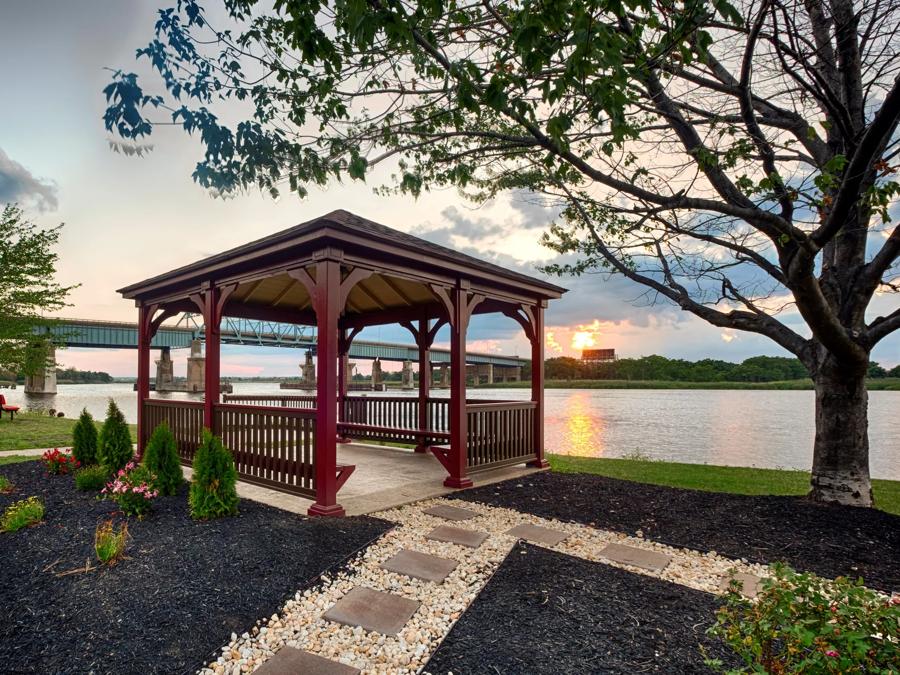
x,y
598,355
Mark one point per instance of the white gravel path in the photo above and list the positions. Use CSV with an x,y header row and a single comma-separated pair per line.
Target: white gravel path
x,y
300,623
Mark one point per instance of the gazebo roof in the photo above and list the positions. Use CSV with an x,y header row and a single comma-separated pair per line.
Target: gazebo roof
x,y
403,267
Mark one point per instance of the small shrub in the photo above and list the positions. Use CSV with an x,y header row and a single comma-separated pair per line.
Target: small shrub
x,y
6,485
213,492
109,543
91,478
21,514
161,458
114,448
58,463
132,489
84,439
801,623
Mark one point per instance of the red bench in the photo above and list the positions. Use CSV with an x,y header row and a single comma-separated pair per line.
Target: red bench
x,y
11,409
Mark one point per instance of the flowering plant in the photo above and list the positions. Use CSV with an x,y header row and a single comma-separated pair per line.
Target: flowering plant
x,y
57,462
132,489
802,623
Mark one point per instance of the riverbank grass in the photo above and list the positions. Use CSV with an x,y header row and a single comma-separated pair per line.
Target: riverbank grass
x,y
712,478
31,430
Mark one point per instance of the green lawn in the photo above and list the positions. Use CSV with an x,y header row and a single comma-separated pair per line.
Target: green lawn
x,y
736,480
30,430
15,459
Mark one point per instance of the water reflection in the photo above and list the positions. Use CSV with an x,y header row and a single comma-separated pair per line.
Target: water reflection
x,y
740,428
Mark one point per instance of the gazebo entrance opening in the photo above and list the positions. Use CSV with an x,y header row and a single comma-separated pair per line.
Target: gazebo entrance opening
x,y
342,273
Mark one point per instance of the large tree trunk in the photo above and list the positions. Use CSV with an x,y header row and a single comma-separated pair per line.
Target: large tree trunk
x,y
840,470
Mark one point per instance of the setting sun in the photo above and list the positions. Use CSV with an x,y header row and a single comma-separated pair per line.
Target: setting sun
x,y
583,339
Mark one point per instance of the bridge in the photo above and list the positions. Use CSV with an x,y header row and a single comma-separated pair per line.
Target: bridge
x,y
123,335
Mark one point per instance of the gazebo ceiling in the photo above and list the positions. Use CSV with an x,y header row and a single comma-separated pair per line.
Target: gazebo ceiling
x,y
404,270
374,293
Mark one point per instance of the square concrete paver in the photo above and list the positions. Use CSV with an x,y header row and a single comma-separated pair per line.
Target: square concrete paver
x,y
457,535
752,584
450,512
383,613
420,565
291,661
636,557
537,534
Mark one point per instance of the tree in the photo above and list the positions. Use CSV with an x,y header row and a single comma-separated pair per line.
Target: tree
x,y
84,439
161,459
27,290
114,449
735,161
213,492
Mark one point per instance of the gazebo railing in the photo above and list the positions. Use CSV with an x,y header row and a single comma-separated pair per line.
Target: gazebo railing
x,y
272,446
185,420
272,400
499,434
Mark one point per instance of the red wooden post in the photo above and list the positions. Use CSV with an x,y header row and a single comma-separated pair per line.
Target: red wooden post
x,y
327,304
342,383
537,385
211,318
459,323
424,343
145,317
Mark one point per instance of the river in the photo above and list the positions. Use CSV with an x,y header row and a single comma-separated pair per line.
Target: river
x,y
772,429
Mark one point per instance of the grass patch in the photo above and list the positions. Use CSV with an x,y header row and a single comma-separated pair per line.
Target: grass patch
x,y
31,430
22,514
109,542
712,478
5,485
15,459
880,384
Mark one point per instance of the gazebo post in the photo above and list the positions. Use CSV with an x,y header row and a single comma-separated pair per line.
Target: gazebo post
x,y
459,323
145,318
424,343
537,385
212,364
327,305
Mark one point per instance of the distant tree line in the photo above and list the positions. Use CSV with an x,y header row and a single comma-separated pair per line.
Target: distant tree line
x,y
65,376
754,369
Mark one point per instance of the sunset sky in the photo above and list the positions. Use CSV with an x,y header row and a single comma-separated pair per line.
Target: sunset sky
x,y
128,218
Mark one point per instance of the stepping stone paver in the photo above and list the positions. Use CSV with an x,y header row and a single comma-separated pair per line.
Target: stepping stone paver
x,y
636,557
291,661
537,534
752,584
377,611
457,535
420,565
448,512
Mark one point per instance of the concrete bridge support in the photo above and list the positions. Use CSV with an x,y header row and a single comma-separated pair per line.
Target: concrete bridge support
x,y
165,371
444,377
407,380
43,382
196,368
377,377
308,369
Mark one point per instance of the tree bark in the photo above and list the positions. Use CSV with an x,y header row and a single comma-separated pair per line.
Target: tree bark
x,y
840,470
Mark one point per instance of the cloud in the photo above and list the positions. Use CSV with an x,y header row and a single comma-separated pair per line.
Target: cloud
x,y
17,184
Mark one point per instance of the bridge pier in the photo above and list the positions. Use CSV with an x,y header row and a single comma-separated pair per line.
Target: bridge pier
x,y
407,380
196,368
308,369
43,382
377,377
165,371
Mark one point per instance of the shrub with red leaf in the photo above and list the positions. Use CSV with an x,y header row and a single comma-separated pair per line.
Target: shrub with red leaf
x,y
57,462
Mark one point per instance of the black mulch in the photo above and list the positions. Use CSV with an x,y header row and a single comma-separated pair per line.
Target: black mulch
x,y
829,540
546,612
174,602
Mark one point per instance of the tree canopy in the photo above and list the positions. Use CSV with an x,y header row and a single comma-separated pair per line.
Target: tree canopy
x,y
27,289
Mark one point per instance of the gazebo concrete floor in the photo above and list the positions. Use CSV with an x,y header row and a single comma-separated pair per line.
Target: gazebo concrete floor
x,y
384,478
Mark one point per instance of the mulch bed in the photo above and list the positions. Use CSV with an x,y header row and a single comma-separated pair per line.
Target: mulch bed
x,y
829,540
174,602
547,612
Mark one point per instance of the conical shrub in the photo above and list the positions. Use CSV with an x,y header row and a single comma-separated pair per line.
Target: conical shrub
x,y
114,450
84,439
161,458
213,493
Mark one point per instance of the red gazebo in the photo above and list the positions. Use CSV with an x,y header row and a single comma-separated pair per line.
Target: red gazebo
x,y
342,273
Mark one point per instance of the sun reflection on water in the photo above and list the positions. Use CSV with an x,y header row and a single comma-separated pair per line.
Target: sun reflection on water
x,y
583,429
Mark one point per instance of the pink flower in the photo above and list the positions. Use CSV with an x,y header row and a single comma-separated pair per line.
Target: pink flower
x,y
833,653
